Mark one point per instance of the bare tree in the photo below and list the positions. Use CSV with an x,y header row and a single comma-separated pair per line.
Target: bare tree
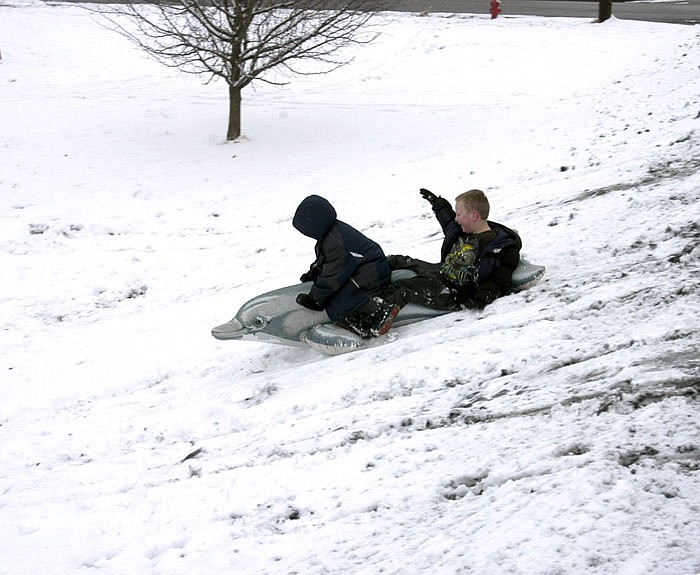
x,y
604,10
242,40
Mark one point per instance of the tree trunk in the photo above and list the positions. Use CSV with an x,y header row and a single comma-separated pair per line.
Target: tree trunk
x,y
234,113
604,10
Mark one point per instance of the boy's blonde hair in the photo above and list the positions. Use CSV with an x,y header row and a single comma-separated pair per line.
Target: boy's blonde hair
x,y
475,200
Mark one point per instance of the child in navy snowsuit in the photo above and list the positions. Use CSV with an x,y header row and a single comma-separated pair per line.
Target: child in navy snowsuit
x,y
349,273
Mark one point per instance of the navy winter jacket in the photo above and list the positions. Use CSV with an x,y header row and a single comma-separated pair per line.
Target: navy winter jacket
x,y
352,268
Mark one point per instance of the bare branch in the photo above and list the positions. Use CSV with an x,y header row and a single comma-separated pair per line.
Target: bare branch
x,y
240,41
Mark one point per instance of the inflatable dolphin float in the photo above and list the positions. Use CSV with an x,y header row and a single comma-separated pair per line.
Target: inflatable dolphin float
x,y
275,317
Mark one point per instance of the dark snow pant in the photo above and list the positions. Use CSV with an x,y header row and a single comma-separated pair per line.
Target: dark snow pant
x,y
425,288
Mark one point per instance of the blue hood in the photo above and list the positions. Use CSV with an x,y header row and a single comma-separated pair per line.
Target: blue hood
x,y
314,217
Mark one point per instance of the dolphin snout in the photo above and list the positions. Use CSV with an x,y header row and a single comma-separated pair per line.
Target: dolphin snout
x,y
233,329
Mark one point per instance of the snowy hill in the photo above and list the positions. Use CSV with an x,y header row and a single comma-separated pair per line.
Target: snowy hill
x,y
556,432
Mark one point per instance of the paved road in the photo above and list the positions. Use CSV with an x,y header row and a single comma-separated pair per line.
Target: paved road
x,y
675,11
678,12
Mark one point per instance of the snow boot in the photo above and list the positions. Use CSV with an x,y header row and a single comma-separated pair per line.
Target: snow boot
x,y
372,319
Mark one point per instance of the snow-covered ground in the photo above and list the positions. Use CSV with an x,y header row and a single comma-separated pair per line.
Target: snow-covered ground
x,y
554,433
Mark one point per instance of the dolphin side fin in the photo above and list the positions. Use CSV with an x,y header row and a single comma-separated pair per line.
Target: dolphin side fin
x,y
332,339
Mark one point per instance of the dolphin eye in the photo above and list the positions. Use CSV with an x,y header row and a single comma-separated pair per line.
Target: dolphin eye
x,y
259,321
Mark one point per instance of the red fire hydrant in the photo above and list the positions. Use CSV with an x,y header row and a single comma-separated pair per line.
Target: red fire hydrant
x,y
495,8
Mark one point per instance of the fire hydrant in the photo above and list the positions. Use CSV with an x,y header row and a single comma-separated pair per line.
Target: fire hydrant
x,y
495,8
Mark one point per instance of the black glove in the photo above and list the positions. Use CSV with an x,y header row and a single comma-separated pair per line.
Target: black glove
x,y
436,202
305,300
311,275
429,196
